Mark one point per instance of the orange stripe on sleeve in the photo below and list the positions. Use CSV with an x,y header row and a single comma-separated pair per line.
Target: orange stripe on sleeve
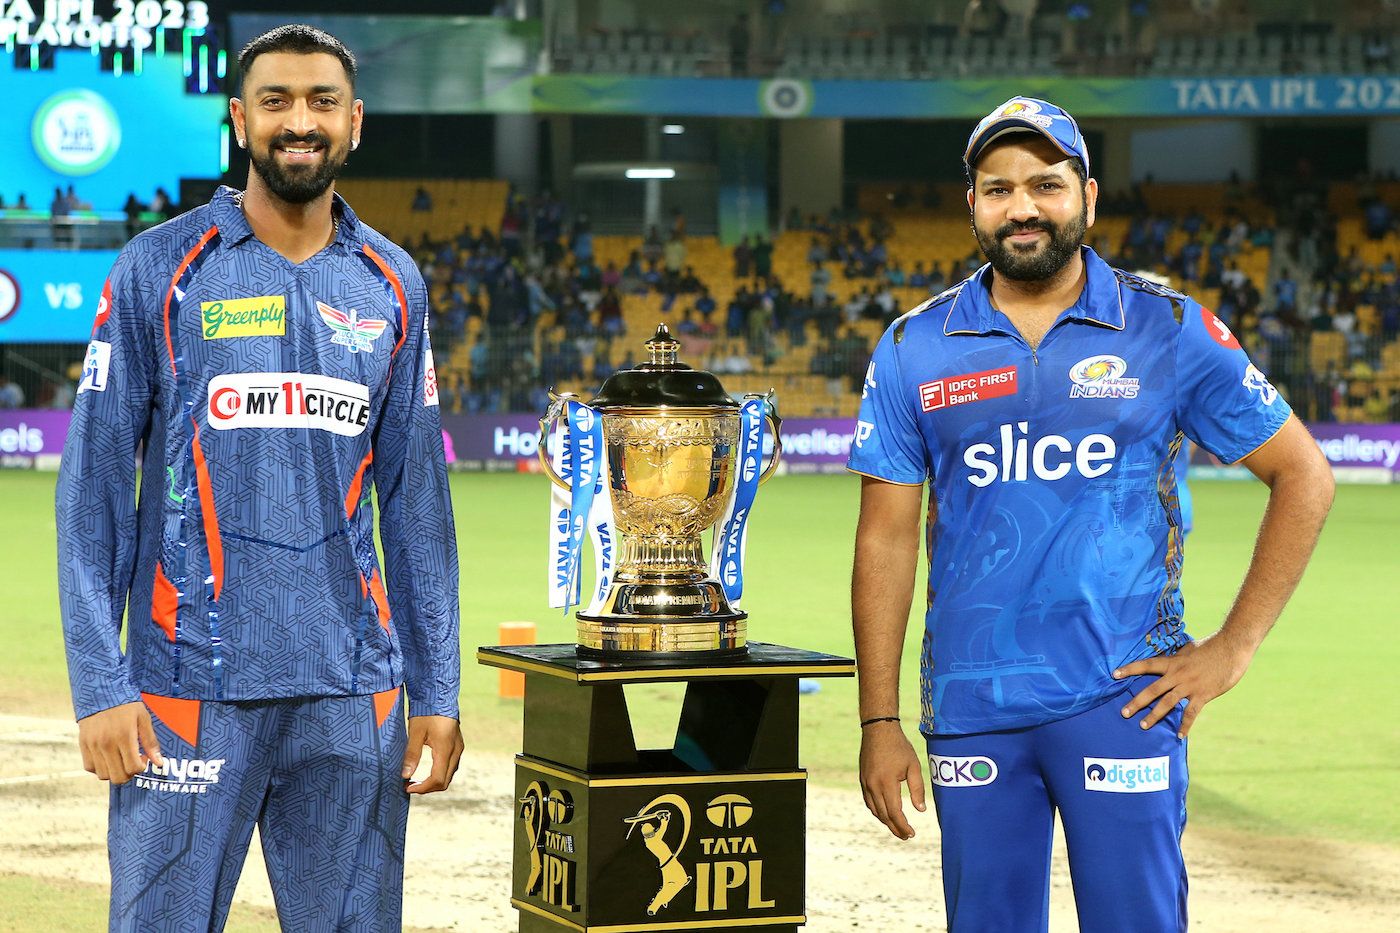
x,y
180,716
384,703
211,517
165,602
353,495
175,280
381,599
398,292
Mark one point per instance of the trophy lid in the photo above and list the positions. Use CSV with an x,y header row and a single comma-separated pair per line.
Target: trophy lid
x,y
662,382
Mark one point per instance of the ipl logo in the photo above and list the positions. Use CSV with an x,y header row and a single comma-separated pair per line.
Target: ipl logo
x,y
653,821
552,877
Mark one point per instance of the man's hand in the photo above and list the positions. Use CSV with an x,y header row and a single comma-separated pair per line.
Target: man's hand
x,y
1197,673
116,743
444,736
887,760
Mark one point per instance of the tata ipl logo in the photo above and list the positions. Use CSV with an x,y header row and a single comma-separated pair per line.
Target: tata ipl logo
x,y
553,873
76,132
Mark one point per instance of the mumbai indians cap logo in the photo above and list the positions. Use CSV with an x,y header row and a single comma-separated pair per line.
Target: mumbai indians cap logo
x,y
1102,376
1026,110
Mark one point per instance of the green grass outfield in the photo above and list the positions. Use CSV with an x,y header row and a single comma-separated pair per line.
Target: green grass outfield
x,y
1307,745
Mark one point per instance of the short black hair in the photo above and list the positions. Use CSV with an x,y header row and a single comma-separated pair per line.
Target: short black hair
x,y
299,39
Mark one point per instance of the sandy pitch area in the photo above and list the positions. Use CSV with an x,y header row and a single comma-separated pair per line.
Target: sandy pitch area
x,y
859,878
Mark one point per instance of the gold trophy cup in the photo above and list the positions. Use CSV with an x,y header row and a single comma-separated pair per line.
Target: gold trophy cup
x,y
671,436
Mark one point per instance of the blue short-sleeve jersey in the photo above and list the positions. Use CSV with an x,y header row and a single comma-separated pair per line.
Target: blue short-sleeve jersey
x,y
1055,535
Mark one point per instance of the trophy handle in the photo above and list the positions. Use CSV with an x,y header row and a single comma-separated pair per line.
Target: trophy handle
x,y
775,424
557,410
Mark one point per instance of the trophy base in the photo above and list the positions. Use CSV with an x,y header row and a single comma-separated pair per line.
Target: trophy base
x,y
660,622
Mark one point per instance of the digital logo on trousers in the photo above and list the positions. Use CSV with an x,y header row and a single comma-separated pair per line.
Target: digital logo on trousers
x,y
964,771
1102,376
1127,775
288,400
349,331
180,775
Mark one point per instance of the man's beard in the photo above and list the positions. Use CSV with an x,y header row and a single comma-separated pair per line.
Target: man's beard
x,y
299,184
1032,263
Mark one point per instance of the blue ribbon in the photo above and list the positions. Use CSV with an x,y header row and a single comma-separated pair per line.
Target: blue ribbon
x,y
585,466
752,416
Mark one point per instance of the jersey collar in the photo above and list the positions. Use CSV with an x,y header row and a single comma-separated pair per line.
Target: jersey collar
x,y
234,227
1100,303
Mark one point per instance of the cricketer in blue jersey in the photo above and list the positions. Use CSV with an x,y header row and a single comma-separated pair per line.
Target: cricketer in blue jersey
x,y
267,354
1044,402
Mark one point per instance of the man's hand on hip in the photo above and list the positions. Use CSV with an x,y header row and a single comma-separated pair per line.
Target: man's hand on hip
x,y
1197,673
117,743
887,760
443,735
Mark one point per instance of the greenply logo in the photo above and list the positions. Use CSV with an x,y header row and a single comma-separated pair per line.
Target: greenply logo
x,y
76,132
973,771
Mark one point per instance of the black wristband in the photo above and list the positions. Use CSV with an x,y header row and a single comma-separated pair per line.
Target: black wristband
x,y
870,722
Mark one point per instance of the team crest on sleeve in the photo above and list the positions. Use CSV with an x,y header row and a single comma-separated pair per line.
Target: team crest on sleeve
x,y
1102,376
969,387
348,330
1218,331
1256,381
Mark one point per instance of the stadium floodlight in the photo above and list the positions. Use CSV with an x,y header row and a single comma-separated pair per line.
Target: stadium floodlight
x,y
673,129
651,173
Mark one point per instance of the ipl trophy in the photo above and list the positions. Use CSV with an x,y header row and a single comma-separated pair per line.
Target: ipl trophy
x,y
674,454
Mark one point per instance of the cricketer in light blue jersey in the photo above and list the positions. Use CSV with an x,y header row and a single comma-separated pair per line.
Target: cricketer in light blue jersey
x,y
1044,402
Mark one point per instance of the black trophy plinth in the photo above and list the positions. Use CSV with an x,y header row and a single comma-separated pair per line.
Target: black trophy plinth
x,y
709,834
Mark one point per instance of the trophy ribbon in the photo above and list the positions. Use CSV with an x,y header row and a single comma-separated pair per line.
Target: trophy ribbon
x,y
604,538
579,458
727,550
559,521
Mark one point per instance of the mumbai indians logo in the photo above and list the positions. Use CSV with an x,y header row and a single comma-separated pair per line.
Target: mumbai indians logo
x,y
1101,377
1026,110
181,775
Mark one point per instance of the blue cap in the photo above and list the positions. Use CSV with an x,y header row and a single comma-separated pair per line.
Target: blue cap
x,y
1028,114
